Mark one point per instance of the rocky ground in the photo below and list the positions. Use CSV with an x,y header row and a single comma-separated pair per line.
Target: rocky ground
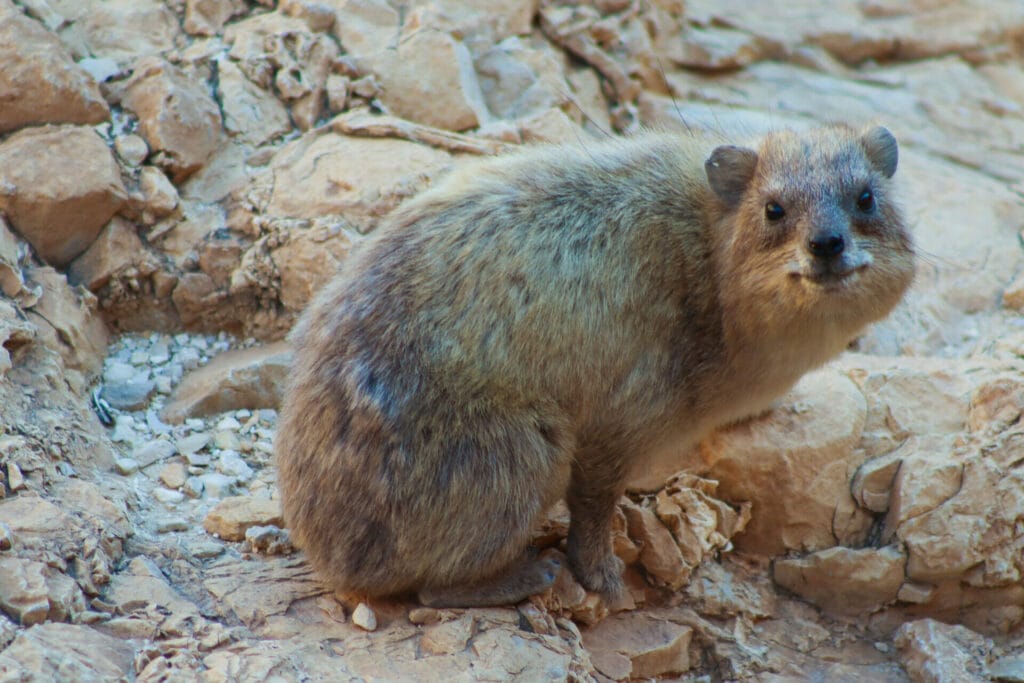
x,y
177,177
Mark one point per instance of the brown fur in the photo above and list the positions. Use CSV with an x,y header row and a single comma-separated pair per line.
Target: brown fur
x,y
532,327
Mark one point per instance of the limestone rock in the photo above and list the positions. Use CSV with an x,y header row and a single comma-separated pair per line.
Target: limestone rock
x,y
448,636
249,378
364,617
207,17
116,249
355,178
429,78
659,554
121,30
23,593
39,81
646,647
230,518
306,260
58,213
845,580
68,322
793,464
177,116
933,651
251,114
51,652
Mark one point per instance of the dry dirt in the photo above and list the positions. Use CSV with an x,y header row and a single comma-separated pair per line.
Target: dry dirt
x,y
177,177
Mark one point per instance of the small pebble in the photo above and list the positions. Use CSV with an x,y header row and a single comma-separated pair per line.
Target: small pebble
x,y
153,451
167,496
6,537
198,459
158,355
126,466
163,384
15,479
192,443
188,358
169,524
229,423
216,485
116,372
139,358
174,475
226,440
364,617
193,487
231,464
204,549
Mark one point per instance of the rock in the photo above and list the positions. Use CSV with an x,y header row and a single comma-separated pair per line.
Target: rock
x,y
429,78
1008,669
249,378
355,178
173,475
845,580
120,30
67,322
23,593
659,554
115,249
364,617
207,17
177,117
15,479
647,647
39,80
153,451
131,395
793,464
447,637
933,651
269,540
132,149
58,213
230,518
307,260
251,114
51,652
928,476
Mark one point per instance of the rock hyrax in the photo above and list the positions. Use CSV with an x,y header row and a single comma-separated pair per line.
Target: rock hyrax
x,y
531,327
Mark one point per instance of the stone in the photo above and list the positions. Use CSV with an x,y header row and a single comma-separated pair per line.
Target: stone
x,y
659,554
153,451
177,117
364,617
58,213
269,540
116,249
928,476
207,17
67,322
39,80
230,518
933,651
652,647
307,260
793,464
429,78
54,651
193,443
173,475
845,580
120,30
249,378
131,148
131,395
126,466
447,637
23,591
355,178
251,114
1009,668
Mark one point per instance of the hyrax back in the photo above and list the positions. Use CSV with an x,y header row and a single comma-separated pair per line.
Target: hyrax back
x,y
532,327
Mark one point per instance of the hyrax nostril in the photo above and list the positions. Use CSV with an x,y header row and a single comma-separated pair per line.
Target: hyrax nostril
x,y
827,244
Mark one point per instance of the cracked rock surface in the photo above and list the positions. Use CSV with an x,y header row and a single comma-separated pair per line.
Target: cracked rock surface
x,y
179,177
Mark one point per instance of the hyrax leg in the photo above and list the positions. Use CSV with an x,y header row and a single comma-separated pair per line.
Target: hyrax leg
x,y
527,576
591,498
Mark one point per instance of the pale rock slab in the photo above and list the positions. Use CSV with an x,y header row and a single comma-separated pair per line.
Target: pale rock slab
x,y
639,646
51,652
251,114
307,259
429,78
792,464
247,378
23,591
207,17
177,116
39,82
59,213
933,651
231,517
845,580
121,30
358,179
115,250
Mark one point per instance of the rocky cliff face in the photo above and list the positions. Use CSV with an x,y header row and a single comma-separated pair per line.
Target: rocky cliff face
x,y
178,177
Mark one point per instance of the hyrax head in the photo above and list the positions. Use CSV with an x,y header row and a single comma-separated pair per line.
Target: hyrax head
x,y
815,225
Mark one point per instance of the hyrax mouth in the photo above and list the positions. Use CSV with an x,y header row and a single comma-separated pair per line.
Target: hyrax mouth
x,y
830,272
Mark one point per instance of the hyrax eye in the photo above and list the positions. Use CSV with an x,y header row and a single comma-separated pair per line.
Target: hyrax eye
x,y
866,201
773,211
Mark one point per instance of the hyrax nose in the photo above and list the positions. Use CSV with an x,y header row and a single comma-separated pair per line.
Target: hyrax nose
x,y
826,244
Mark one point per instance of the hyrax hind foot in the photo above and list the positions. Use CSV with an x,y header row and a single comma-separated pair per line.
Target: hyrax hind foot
x,y
598,572
528,576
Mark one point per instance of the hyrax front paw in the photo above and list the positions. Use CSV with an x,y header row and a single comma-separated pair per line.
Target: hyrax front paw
x,y
601,574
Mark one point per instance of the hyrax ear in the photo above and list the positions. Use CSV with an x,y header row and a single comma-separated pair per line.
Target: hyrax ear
x,y
882,150
729,170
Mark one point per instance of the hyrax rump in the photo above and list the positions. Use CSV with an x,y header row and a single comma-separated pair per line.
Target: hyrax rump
x,y
530,328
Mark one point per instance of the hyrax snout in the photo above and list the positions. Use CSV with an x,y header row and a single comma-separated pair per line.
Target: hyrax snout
x,y
533,326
